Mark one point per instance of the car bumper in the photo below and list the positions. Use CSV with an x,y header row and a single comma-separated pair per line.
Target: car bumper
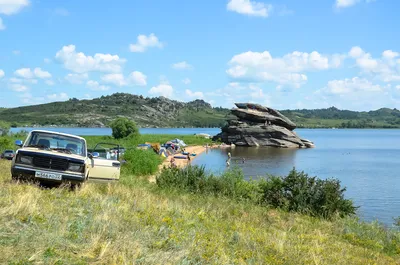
x,y
26,173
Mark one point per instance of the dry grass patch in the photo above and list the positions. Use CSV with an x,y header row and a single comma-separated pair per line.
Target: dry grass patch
x,y
132,222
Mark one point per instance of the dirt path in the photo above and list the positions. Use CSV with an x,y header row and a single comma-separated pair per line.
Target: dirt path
x,y
180,163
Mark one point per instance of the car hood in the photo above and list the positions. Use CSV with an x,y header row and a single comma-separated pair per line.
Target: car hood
x,y
52,153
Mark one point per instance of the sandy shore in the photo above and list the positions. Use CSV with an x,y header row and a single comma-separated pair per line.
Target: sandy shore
x,y
181,163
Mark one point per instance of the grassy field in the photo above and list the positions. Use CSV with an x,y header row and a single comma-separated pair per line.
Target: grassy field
x,y
135,222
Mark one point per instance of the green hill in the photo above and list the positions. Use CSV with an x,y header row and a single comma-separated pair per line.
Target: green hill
x,y
146,112
163,112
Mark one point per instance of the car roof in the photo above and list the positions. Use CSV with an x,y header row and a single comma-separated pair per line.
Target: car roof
x,y
58,133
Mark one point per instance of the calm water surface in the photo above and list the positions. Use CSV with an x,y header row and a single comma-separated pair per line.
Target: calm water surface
x,y
365,161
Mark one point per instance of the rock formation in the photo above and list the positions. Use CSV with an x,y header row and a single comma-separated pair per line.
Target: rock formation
x,y
261,126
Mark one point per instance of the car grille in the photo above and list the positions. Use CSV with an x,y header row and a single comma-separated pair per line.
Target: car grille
x,y
50,162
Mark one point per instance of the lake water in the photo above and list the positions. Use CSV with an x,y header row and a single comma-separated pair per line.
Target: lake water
x,y
365,161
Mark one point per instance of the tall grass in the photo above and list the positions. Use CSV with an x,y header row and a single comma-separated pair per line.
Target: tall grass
x,y
140,162
132,222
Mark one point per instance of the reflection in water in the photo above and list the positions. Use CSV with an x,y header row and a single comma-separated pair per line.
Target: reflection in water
x,y
254,162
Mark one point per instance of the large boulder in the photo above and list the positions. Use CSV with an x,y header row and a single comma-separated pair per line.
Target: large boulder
x,y
263,117
261,126
256,111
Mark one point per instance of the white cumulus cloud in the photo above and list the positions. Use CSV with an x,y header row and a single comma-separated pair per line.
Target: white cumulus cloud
x,y
287,70
2,74
39,73
29,74
194,95
181,65
164,90
78,62
144,42
386,68
250,8
24,73
94,85
353,85
135,78
10,7
349,3
58,97
116,79
76,79
389,54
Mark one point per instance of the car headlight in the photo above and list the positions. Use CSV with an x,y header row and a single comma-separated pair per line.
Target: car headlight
x,y
75,167
25,160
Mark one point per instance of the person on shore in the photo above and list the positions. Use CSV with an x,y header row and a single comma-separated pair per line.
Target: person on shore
x,y
188,157
172,161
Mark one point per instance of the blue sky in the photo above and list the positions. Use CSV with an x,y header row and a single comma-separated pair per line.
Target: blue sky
x,y
284,54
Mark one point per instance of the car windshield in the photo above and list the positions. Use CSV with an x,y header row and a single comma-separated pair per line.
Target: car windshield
x,y
60,143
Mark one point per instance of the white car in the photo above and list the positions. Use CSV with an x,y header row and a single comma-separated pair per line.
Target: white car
x,y
54,157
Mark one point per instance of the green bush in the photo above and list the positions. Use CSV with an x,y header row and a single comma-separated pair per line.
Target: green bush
x,y
123,127
5,143
297,192
300,193
140,162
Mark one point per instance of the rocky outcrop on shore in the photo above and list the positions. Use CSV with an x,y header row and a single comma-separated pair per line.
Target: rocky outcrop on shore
x,y
261,126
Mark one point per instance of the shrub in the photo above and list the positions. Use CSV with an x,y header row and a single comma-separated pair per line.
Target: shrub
x,y
5,143
300,193
123,127
297,192
141,162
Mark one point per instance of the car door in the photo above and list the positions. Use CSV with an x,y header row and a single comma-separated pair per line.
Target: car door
x,y
104,169
105,166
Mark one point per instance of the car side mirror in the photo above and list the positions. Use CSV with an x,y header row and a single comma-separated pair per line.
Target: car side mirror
x,y
19,143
